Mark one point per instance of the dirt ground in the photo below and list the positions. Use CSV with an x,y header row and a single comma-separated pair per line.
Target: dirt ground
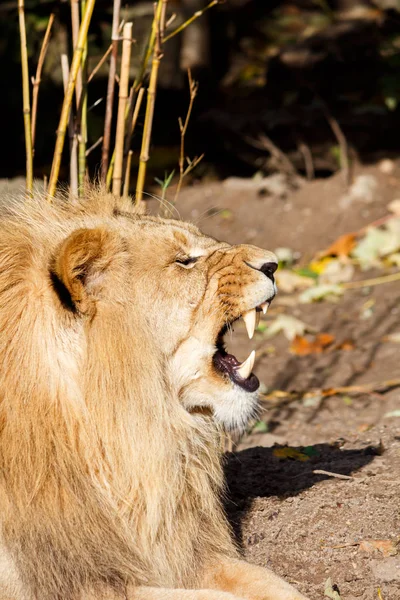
x,y
305,525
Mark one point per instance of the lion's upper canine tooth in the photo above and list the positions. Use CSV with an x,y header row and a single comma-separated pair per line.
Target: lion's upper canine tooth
x,y
264,307
249,319
246,367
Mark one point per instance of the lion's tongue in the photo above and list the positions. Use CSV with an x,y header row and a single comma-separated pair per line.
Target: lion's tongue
x,y
238,373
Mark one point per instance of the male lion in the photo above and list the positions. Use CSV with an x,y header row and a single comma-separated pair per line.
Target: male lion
x,y
114,387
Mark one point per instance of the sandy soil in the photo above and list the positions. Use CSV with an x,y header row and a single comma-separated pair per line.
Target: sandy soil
x,y
309,526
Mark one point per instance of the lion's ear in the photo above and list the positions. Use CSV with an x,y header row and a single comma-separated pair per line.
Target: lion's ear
x,y
81,262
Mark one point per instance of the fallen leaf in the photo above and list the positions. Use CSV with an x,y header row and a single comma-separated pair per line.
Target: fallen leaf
x,y
288,281
392,413
392,337
284,255
337,271
340,247
288,452
345,345
260,427
290,327
394,207
386,547
318,266
330,590
302,347
320,292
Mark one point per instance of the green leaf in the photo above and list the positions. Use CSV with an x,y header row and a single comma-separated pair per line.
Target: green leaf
x,y
329,592
321,292
260,427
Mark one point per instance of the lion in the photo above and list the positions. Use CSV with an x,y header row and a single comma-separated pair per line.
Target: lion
x,y
115,387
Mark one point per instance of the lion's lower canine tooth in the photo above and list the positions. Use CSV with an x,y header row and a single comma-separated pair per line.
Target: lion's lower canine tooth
x,y
249,319
258,317
246,367
264,307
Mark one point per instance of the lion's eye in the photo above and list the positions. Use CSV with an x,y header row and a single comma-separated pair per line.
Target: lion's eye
x,y
186,261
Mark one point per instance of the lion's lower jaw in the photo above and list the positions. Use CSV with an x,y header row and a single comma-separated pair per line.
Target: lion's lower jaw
x,y
232,408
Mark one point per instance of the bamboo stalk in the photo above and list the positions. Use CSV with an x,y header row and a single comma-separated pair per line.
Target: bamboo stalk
x,y
110,90
73,142
195,16
123,98
26,97
127,174
76,62
159,20
37,79
137,84
82,114
75,19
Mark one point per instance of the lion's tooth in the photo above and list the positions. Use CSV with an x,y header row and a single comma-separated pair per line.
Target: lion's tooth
x,y
258,317
246,367
264,307
249,319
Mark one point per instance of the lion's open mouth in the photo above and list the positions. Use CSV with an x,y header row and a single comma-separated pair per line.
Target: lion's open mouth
x,y
227,364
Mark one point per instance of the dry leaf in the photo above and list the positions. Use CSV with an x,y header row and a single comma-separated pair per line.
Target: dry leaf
x,y
394,207
392,337
290,453
290,327
340,247
320,292
345,345
302,347
386,547
288,281
330,591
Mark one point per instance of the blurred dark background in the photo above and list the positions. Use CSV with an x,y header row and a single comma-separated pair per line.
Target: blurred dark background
x,y
277,78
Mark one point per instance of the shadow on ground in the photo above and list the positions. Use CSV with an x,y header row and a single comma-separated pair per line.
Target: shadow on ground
x,y
258,473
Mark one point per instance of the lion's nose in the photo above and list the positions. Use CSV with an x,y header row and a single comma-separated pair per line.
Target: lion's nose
x,y
269,269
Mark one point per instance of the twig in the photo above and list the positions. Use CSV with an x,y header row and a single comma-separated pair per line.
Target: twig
x,y
100,63
37,79
265,143
195,16
123,97
73,141
278,397
110,89
341,140
94,146
25,96
305,151
330,474
151,97
193,87
371,282
127,174
76,62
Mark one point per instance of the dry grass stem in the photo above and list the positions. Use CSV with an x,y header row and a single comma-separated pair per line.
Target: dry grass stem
x,y
73,141
127,174
195,16
37,79
159,20
66,108
26,97
351,285
123,98
193,87
110,89
137,109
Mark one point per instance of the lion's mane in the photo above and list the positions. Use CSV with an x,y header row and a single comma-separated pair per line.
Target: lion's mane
x,y
102,477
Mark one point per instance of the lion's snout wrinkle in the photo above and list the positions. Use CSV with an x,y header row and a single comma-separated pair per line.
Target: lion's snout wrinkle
x,y
115,384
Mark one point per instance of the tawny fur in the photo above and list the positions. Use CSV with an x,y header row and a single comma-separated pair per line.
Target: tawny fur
x,y
110,475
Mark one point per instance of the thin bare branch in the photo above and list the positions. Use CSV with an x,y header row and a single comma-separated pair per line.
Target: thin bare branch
x,y
127,174
73,141
195,16
37,79
100,63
